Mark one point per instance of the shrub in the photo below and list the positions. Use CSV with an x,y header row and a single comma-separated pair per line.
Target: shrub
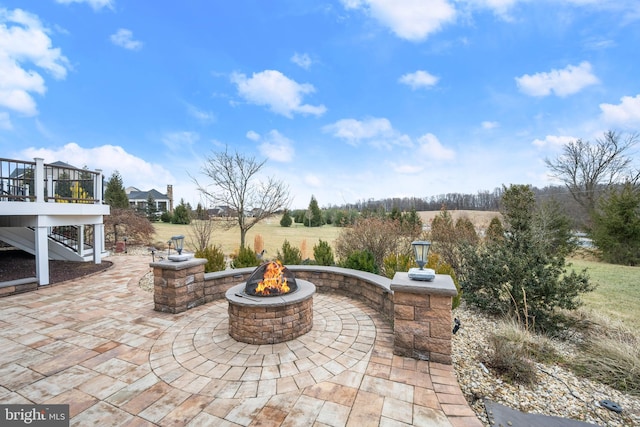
x,y
616,226
214,257
397,262
323,254
379,236
246,258
521,276
165,217
290,255
286,219
361,260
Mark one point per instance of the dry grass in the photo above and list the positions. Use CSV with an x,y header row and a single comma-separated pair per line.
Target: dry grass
x,y
480,219
269,231
610,354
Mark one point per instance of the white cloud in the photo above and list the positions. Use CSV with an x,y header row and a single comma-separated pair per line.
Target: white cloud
x,y
553,141
275,90
354,131
201,115
563,82
274,146
412,20
626,114
431,148
124,38
500,8
109,158
95,4
489,125
312,180
180,141
419,80
302,60
24,41
254,136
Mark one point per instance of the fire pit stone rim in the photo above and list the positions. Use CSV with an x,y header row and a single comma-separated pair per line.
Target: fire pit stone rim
x,y
236,295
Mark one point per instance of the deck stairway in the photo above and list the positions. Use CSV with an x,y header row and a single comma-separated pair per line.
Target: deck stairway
x,y
64,244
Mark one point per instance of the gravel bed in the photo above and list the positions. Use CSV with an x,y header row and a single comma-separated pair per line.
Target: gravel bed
x,y
558,391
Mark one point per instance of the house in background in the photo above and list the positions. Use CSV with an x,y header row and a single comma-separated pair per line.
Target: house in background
x,y
138,199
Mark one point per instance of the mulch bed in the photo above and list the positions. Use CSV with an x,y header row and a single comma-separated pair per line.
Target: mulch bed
x,y
17,264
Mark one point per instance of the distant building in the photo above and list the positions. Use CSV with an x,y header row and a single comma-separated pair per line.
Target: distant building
x,y
138,199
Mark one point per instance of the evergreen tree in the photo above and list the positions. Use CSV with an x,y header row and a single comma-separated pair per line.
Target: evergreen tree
x,y
520,276
616,226
181,214
286,220
314,214
151,209
114,194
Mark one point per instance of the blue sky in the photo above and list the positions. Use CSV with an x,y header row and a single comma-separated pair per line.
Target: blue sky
x,y
349,100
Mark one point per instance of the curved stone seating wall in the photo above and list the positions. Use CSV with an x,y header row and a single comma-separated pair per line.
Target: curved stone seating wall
x,y
370,288
420,312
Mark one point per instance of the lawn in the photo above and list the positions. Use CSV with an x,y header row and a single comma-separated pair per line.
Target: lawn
x,y
273,235
618,290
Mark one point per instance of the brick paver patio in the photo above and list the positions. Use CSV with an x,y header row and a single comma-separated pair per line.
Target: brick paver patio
x,y
97,344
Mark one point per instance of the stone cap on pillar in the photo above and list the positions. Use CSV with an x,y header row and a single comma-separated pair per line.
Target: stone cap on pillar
x,y
178,265
442,285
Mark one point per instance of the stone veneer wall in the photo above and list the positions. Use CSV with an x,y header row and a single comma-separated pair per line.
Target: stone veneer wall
x,y
422,320
270,324
421,315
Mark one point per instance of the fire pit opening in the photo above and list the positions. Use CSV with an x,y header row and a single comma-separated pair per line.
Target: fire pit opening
x,y
271,279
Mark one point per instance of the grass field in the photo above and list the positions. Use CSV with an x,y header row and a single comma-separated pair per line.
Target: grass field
x,y
273,236
618,291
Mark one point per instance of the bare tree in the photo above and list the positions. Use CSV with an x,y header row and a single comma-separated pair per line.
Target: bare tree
x,y
200,231
238,187
587,169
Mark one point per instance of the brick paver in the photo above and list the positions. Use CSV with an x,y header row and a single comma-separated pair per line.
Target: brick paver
x,y
97,344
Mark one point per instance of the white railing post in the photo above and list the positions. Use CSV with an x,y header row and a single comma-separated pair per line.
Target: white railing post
x,y
38,179
97,188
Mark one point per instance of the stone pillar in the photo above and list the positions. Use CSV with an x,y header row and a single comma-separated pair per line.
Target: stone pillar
x,y
422,317
178,285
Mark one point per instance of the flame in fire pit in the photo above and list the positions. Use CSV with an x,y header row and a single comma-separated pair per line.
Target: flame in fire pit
x,y
273,280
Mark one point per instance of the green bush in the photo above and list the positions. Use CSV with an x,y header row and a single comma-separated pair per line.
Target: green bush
x,y
323,254
522,276
361,260
214,257
286,219
290,255
165,217
246,258
616,226
397,262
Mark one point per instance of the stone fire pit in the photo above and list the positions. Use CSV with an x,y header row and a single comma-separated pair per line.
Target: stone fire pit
x,y
275,317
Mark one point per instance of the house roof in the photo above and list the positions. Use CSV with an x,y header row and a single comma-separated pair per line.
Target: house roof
x,y
144,195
